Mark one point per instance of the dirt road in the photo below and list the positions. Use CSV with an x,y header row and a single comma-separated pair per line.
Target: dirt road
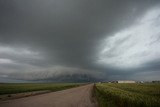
x,y
75,97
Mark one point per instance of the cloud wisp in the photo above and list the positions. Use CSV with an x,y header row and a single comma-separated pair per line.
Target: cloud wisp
x,y
134,46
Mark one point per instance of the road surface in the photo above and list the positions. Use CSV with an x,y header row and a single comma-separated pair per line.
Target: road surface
x,y
74,97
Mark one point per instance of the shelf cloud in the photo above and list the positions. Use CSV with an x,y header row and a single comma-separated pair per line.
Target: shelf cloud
x,y
58,40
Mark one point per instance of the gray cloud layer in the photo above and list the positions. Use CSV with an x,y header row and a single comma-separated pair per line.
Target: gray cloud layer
x,y
71,37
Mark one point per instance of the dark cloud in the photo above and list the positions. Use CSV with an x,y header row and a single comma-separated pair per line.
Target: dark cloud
x,y
37,34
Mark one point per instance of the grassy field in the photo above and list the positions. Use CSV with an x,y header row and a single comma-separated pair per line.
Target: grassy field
x,y
28,87
128,95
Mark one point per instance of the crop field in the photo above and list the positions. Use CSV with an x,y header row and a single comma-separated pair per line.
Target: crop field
x,y
12,88
128,95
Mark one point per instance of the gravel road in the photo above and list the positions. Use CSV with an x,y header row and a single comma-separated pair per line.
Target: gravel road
x,y
74,97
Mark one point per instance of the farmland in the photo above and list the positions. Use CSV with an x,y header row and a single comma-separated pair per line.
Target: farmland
x,y
128,95
28,87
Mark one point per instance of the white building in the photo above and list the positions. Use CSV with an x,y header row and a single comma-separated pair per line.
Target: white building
x,y
126,81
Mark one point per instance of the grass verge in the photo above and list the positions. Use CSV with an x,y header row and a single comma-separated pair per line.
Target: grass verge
x,y
13,88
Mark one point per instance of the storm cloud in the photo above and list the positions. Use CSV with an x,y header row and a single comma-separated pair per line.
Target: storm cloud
x,y
104,39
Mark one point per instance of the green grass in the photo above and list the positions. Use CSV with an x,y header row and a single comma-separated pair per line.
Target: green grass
x,y
128,95
12,88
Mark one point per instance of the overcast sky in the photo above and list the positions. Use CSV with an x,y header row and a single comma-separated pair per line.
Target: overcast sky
x,y
103,39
